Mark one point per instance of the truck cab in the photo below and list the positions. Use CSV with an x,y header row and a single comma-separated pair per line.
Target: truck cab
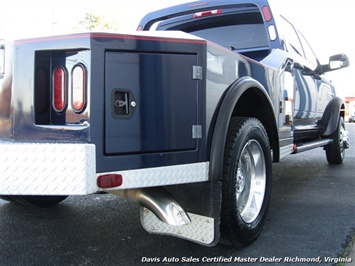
x,y
252,30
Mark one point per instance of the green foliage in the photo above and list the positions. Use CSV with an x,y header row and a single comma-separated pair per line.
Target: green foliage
x,y
94,22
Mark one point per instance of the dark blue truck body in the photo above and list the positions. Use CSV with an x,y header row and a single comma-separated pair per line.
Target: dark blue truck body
x,y
156,73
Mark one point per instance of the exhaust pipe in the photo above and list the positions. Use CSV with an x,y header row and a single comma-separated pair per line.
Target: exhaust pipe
x,y
159,201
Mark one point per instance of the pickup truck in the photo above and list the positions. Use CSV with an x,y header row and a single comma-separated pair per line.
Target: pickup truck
x,y
184,117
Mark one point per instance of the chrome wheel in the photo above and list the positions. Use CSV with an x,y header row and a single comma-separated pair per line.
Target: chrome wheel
x,y
247,176
250,181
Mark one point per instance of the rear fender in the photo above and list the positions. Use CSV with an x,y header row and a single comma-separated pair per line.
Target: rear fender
x,y
226,111
331,116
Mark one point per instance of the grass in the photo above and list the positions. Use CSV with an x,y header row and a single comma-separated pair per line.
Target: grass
x,y
349,243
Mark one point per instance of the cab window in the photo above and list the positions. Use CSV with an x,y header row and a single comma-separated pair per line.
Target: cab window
x,y
243,32
289,37
309,54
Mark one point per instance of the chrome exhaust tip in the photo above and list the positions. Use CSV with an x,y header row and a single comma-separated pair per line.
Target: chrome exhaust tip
x,y
159,201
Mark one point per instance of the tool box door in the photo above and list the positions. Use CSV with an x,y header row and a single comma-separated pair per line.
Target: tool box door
x,y
151,102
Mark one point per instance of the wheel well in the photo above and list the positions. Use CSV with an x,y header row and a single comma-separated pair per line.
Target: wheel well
x,y
237,101
254,104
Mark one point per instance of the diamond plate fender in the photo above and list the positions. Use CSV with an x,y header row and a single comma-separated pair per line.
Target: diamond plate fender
x,y
29,169
162,176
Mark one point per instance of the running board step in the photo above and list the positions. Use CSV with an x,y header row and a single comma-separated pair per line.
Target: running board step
x,y
311,145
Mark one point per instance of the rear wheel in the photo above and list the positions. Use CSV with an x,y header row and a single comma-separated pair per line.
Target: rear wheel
x,y
335,152
246,181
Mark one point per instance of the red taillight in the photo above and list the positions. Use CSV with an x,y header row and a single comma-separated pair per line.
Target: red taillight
x,y
78,88
59,89
207,13
109,180
266,13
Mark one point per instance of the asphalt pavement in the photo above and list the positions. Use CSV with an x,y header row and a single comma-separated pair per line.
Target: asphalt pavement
x,y
311,217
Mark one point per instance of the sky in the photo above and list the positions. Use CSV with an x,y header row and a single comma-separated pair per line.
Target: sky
x,y
328,25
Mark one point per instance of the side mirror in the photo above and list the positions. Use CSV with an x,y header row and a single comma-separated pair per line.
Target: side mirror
x,y
336,62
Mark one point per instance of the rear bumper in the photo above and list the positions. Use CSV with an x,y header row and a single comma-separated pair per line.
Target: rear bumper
x,y
70,169
47,169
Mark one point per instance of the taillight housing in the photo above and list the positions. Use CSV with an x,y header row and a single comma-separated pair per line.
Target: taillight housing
x,y
59,93
267,13
78,88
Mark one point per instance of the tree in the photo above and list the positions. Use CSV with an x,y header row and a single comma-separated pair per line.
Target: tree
x,y
94,22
